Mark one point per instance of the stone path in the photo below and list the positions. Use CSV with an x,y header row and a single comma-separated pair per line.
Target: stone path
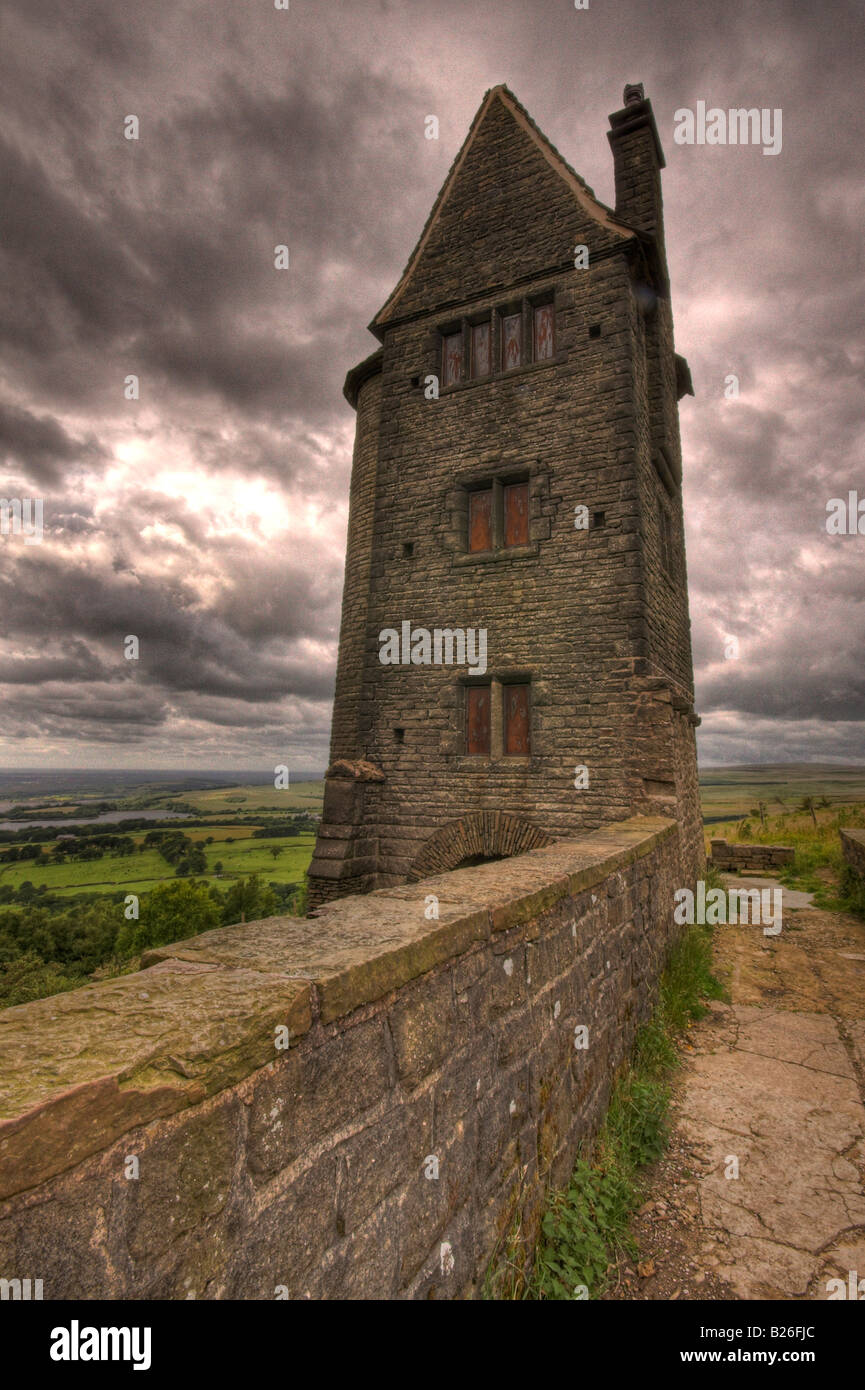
x,y
773,1087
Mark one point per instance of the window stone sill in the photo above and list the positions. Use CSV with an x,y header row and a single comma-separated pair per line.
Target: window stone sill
x,y
514,374
491,557
476,762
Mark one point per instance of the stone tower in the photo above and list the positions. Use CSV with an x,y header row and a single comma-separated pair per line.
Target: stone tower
x,y
515,654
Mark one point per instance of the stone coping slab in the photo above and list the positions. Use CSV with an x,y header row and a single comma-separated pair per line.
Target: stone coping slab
x,y
78,1070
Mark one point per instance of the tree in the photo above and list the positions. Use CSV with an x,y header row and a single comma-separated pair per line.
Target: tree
x,y
29,977
170,912
217,868
807,804
276,850
197,860
300,901
247,900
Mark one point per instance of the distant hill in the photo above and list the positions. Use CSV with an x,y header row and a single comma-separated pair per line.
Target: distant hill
x,y
732,791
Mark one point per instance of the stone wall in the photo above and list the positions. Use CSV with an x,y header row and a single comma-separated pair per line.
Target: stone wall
x,y
417,1045
853,849
727,857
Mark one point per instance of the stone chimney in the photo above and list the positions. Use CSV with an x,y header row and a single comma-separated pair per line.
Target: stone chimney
x,y
638,161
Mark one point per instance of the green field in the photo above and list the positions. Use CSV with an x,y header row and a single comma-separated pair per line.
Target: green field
x,y
222,801
139,872
727,792
242,831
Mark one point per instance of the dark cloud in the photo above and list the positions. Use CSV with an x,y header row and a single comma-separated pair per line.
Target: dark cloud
x,y
40,446
208,516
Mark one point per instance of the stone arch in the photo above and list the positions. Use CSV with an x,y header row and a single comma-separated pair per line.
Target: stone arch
x,y
486,834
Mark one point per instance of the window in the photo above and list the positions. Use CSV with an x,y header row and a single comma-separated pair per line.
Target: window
x,y
516,514
481,520
478,720
498,719
498,516
512,341
452,358
543,344
516,709
480,350
510,337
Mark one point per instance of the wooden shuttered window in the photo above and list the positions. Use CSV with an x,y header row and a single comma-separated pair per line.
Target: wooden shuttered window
x,y
516,506
477,352
478,719
481,520
512,341
452,359
480,350
516,711
513,720
502,509
543,344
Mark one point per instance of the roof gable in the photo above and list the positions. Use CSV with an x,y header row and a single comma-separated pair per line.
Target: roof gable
x,y
506,175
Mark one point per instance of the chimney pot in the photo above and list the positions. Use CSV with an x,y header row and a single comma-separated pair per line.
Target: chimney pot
x,y
634,93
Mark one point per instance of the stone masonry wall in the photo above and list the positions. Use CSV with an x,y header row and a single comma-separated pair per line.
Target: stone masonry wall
x,y
727,856
414,1042
853,849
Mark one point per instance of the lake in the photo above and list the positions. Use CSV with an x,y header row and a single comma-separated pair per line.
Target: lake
x,y
105,818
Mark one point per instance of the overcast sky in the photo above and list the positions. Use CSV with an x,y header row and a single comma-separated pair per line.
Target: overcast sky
x,y
208,518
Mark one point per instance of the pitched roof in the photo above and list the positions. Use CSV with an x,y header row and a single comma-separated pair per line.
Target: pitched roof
x,y
583,194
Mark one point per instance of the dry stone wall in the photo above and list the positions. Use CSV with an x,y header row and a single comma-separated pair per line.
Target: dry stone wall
x,y
430,1094
727,856
853,849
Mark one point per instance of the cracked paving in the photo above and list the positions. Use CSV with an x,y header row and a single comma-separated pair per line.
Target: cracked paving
x,y
776,1081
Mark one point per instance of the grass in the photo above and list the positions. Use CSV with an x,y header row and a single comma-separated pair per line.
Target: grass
x,y
819,865
241,831
587,1224
300,796
139,872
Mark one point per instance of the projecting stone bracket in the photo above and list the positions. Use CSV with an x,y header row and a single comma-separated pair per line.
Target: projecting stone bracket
x,y
346,856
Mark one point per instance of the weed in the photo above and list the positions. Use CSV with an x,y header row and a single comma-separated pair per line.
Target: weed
x,y
587,1223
